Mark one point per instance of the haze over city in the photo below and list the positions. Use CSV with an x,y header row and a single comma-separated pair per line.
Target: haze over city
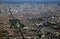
x,y
16,1
29,19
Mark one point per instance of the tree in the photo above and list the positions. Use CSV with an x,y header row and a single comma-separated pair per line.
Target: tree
x,y
15,23
53,26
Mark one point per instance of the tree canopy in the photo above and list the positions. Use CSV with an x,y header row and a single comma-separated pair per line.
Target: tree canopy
x,y
15,23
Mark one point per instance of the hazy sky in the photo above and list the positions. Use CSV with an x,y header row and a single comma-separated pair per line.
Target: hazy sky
x,y
29,0
58,1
